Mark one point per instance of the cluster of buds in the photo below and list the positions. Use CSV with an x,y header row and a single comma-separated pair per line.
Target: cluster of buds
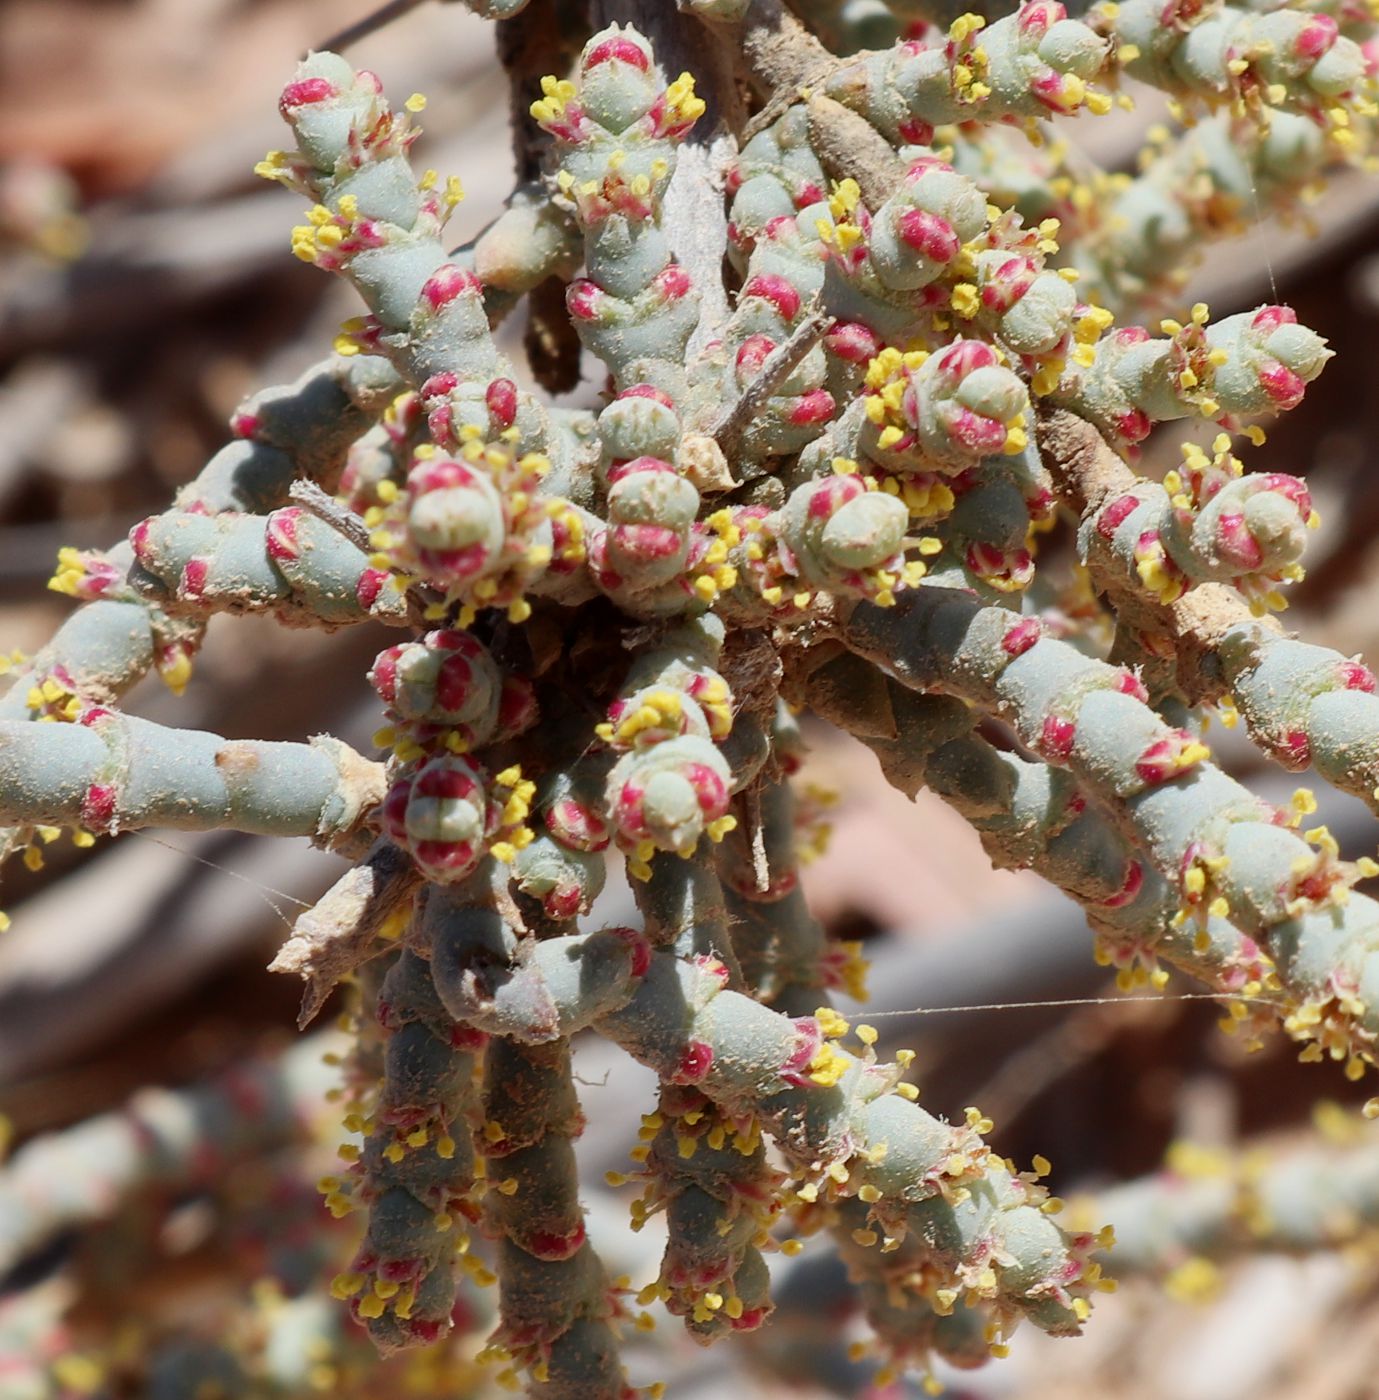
x,y
447,814
937,414
775,175
769,309
445,695
445,692
474,526
1253,363
616,128
936,247
1026,65
1207,522
653,556
827,462
842,534
920,230
671,784
1241,57
650,536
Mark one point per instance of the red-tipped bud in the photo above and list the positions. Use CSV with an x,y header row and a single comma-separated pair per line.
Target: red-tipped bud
x,y
447,283
929,234
777,291
618,48
304,92
281,534
501,398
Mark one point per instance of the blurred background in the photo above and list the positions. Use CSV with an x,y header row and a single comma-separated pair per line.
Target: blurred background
x,y
148,1059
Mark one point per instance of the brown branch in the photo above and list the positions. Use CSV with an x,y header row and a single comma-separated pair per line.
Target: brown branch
x,y
786,64
779,53
775,370
341,930
326,508
370,24
850,147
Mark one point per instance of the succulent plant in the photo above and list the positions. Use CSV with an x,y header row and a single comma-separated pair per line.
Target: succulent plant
x,y
828,496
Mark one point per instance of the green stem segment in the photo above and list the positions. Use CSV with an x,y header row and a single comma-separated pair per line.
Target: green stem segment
x,y
842,1120
1230,854
557,1306
111,772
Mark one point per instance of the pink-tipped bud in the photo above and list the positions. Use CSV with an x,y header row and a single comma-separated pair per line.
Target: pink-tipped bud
x,y
1284,388
1316,37
281,534
1023,635
195,572
831,494
1295,751
1130,887
304,92
777,291
1057,735
549,1245
1354,676
928,234
817,406
443,382
852,341
1134,426
808,1039
619,48
1235,542
1290,487
98,807
648,391
963,356
752,353
673,282
638,949
583,299
501,398
915,132
1269,318
1177,752
138,541
985,436
1008,283
1052,90
370,585
645,544
447,283
1110,518
1128,683
694,1064
635,466
1038,17
426,1330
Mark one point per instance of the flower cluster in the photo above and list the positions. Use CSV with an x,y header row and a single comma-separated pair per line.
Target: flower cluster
x,y
860,442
